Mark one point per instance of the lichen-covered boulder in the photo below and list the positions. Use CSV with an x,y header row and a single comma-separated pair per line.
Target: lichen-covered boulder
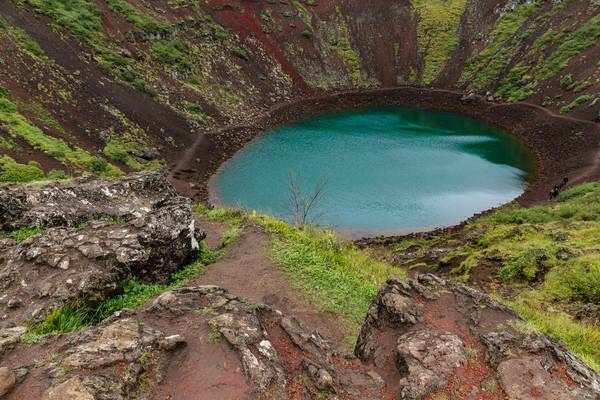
x,y
84,264
82,199
427,357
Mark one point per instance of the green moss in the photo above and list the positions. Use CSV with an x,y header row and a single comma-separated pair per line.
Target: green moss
x,y
172,52
576,281
18,126
83,20
12,171
22,234
484,67
576,103
303,13
343,48
57,175
523,80
23,40
7,144
140,19
222,97
437,33
195,110
574,44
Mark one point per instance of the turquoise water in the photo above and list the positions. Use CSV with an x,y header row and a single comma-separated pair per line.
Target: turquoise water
x,y
386,169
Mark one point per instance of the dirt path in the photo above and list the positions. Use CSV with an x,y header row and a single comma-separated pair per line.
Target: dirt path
x,y
247,271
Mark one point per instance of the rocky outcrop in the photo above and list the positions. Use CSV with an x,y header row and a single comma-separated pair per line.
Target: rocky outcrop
x,y
428,358
140,355
453,341
80,200
85,264
422,338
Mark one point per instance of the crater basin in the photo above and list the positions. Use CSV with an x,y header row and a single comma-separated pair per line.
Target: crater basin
x,y
387,170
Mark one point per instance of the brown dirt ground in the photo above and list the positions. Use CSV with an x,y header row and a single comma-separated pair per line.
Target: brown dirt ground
x,y
247,271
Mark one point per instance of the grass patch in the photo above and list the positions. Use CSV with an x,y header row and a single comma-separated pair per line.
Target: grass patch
x,y
523,80
138,18
23,40
83,20
581,339
332,272
74,317
437,33
484,67
18,126
172,52
65,319
22,234
583,38
576,103
14,172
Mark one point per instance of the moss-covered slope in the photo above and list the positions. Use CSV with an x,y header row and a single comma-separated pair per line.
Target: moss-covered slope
x,y
133,81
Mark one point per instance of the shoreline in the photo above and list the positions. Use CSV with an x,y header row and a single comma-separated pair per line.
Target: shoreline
x,y
560,146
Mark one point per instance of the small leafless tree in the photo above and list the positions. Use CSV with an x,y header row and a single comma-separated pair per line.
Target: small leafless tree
x,y
305,206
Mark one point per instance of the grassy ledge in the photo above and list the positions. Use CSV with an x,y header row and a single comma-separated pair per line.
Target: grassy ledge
x,y
333,273
544,262
75,317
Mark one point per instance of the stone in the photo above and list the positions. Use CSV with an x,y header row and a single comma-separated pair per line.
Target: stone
x,y
71,389
142,230
320,377
7,380
171,342
376,378
10,336
525,378
427,358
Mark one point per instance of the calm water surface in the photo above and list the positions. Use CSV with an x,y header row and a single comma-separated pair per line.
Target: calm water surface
x,y
387,169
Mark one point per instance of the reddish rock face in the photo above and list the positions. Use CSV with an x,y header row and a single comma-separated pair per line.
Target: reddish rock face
x,y
461,344
237,59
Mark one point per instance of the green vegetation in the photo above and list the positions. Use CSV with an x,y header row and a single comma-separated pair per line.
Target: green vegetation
x,y
83,20
580,40
337,276
23,40
550,254
138,18
12,171
172,52
576,103
18,126
437,33
194,110
74,317
22,234
582,339
68,318
338,35
7,144
136,293
120,150
523,80
483,68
